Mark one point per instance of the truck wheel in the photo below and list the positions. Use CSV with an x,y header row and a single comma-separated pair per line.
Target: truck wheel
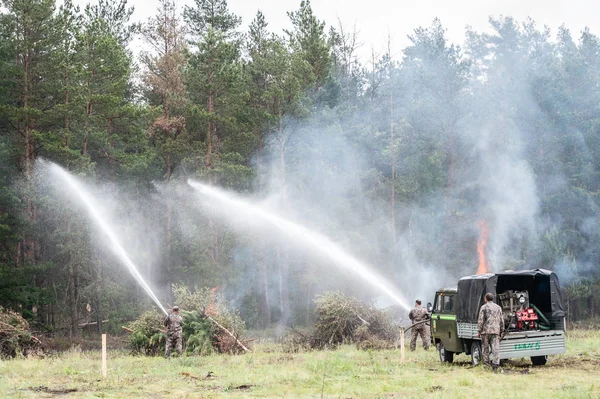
x,y
539,360
445,356
476,353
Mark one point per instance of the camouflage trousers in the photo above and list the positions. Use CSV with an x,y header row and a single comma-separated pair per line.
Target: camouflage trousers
x,y
423,331
493,341
174,339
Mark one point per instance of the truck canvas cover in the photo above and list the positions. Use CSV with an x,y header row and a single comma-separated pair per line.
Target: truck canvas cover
x,y
543,287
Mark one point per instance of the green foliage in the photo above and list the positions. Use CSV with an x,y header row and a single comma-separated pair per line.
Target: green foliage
x,y
205,300
341,319
148,336
198,334
15,336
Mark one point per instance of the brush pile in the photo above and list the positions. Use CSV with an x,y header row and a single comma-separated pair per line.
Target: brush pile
x,y
148,336
209,326
15,336
344,320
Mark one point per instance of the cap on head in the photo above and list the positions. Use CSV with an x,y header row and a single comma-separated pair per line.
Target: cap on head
x,y
176,308
418,301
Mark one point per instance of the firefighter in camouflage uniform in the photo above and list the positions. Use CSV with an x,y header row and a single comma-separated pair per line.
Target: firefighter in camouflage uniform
x,y
491,329
174,324
419,317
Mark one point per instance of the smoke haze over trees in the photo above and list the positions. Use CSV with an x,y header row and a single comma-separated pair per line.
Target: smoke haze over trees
x,y
398,159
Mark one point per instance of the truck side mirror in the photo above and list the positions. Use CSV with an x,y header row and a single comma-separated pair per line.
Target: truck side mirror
x,y
429,307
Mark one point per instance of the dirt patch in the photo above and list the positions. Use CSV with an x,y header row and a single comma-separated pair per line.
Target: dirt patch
x,y
53,391
243,387
575,362
209,376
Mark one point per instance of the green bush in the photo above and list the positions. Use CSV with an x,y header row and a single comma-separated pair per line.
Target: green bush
x,y
342,319
218,309
200,335
15,337
148,336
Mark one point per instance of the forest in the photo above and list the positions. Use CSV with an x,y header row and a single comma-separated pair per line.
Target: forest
x,y
414,161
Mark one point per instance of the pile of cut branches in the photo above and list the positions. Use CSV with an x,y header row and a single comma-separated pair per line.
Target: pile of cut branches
x,y
209,326
221,322
342,320
148,335
15,336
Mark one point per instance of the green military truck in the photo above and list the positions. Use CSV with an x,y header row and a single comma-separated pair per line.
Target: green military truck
x,y
532,307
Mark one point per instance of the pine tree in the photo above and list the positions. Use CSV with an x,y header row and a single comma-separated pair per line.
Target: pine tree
x,y
165,88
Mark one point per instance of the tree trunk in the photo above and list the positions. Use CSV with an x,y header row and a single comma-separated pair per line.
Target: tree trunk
x,y
393,149
372,94
72,286
262,272
168,233
281,252
263,291
111,158
89,108
209,129
29,241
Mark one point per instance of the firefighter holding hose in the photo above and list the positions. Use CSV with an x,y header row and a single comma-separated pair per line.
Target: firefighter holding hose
x,y
419,317
174,324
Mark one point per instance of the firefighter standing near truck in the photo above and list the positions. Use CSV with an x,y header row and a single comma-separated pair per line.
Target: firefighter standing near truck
x,y
490,325
174,324
419,317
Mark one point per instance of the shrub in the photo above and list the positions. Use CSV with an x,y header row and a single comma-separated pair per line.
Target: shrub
x,y
342,319
201,336
148,336
15,336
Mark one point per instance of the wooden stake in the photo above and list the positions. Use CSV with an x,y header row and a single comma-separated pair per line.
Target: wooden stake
x,y
104,355
402,344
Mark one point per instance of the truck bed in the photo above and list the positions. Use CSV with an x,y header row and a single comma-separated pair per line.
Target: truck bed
x,y
522,343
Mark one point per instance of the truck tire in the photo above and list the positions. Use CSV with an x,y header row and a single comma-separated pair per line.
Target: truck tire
x,y
445,356
539,360
476,353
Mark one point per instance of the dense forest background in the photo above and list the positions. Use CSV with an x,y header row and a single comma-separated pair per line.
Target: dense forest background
x,y
407,159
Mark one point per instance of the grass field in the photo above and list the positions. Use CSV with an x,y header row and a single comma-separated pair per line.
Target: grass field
x,y
268,372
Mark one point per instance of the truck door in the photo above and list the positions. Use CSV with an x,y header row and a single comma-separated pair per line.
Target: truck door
x,y
443,323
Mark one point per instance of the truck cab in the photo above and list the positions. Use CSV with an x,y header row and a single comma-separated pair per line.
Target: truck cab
x,y
531,301
443,324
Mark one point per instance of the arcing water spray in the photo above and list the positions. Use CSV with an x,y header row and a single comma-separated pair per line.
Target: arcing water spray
x,y
95,214
303,235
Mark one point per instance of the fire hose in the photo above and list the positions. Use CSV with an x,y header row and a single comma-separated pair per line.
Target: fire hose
x,y
416,324
546,325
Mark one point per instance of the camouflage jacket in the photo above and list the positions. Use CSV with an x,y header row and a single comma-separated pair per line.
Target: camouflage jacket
x,y
490,319
418,314
174,323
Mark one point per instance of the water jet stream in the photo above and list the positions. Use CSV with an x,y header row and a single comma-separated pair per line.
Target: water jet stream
x,y
93,210
302,234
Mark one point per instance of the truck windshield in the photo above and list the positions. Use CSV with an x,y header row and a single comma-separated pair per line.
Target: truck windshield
x,y
444,303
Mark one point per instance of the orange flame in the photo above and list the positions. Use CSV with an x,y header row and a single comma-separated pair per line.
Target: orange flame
x,y
485,232
211,309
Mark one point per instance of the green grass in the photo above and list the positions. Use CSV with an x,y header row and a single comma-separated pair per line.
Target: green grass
x,y
344,373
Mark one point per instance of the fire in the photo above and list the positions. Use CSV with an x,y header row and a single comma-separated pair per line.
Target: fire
x,y
211,309
485,231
